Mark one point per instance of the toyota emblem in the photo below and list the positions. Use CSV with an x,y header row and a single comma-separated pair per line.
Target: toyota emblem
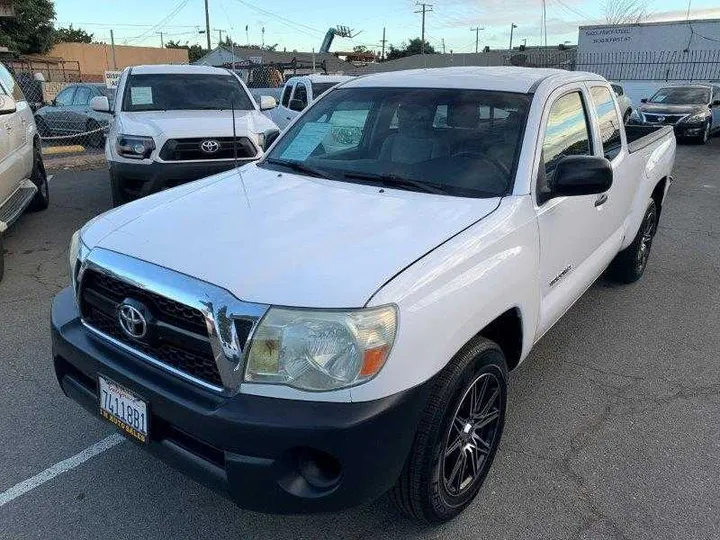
x,y
661,118
132,321
210,146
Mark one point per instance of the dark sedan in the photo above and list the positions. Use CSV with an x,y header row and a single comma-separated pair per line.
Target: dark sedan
x,y
692,110
70,114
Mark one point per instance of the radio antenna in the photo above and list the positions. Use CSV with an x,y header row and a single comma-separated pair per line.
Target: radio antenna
x,y
235,154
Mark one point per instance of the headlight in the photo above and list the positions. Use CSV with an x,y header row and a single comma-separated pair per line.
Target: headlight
x,y
636,115
134,146
321,350
696,118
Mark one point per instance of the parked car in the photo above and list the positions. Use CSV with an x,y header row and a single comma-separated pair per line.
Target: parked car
x,y
23,182
624,102
174,124
70,113
692,110
322,326
299,92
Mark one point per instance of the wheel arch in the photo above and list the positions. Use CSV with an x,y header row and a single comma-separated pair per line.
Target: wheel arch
x,y
507,331
658,194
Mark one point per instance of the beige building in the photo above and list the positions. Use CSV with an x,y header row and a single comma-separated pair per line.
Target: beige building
x,y
96,58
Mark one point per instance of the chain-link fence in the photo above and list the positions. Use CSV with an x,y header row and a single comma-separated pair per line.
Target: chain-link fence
x,y
268,79
60,101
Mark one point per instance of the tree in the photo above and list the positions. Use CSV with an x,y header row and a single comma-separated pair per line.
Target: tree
x,y
30,31
195,52
71,35
360,49
625,11
414,46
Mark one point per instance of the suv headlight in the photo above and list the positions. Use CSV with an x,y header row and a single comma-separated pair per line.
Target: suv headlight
x,y
134,146
696,118
321,350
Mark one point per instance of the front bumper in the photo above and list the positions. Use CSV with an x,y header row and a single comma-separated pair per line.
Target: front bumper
x,y
141,179
681,129
266,454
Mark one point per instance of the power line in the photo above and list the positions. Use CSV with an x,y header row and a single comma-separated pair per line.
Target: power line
x,y
292,24
160,24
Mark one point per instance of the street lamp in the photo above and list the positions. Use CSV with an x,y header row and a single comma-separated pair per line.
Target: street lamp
x,y
512,27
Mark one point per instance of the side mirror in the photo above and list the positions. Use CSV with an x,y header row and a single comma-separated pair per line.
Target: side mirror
x,y
7,105
296,105
581,175
644,100
100,104
267,103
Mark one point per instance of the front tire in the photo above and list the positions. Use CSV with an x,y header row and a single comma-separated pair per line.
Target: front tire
x,y
457,436
629,265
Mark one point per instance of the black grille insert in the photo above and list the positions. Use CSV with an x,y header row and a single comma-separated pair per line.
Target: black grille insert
x,y
177,334
192,149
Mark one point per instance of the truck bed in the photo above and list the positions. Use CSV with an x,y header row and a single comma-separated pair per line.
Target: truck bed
x,y
639,137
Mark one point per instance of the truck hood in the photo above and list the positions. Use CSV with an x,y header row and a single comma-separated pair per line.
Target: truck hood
x,y
182,124
285,239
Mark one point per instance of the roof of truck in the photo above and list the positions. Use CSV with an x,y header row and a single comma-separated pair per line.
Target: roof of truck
x,y
177,68
319,78
501,78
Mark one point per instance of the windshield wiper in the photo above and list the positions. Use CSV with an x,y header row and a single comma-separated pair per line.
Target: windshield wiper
x,y
298,166
393,180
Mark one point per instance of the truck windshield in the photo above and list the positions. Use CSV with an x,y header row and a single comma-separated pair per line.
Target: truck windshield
x,y
449,141
682,95
183,92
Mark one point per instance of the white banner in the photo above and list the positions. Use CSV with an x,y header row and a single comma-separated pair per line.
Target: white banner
x,y
111,78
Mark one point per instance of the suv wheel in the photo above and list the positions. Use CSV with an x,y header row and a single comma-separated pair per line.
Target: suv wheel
x,y
457,437
39,178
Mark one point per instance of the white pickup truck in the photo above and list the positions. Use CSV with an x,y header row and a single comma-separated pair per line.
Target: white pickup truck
x,y
334,322
298,93
23,182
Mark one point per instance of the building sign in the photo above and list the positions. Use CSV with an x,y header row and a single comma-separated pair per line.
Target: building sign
x,y
255,59
111,78
6,8
698,35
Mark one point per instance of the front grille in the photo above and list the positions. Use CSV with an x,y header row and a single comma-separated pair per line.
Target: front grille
x,y
668,119
177,336
190,149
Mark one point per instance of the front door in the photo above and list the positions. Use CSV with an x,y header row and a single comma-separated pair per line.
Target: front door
x,y
573,230
282,112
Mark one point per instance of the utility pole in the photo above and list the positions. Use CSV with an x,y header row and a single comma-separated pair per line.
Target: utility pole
x,y
207,24
247,34
443,44
219,36
162,42
545,22
477,36
382,54
513,26
425,8
112,46
263,37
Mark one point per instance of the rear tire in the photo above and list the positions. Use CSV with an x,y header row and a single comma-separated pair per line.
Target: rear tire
x,y
629,265
457,436
39,177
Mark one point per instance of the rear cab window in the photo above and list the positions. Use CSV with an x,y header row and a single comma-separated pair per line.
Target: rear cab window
x,y
286,94
608,121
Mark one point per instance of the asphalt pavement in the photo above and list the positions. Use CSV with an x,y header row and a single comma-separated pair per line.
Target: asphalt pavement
x,y
613,428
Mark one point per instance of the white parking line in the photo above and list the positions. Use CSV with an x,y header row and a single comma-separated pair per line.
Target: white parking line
x,y
60,468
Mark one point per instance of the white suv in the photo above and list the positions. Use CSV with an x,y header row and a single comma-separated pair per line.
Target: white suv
x,y
23,182
174,123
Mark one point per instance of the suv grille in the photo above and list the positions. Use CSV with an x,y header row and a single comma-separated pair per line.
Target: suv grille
x,y
191,149
668,118
177,334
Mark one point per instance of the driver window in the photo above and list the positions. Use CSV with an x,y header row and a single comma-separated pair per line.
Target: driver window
x,y
567,132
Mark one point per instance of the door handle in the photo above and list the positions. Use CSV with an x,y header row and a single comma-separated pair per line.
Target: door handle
x,y
8,126
601,199
288,118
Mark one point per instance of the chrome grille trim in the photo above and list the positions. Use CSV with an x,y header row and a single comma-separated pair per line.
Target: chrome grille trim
x,y
219,307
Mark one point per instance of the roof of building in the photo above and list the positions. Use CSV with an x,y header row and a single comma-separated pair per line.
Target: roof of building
x,y
501,78
243,54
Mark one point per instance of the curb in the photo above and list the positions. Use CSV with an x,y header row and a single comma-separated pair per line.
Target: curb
x,y
67,149
77,163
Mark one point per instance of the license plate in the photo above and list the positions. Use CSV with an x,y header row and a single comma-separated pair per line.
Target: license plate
x,y
124,409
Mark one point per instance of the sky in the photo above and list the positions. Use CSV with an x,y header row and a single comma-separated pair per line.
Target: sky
x,y
300,25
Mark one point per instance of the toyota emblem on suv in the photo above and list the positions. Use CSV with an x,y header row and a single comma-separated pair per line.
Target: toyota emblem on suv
x,y
132,321
210,146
